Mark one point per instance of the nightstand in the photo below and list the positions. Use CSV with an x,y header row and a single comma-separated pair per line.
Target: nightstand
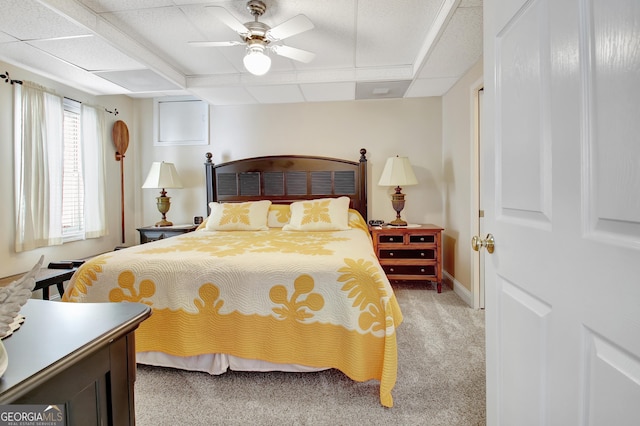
x,y
153,233
410,252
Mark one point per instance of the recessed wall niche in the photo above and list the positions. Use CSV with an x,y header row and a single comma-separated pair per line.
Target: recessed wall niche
x,y
180,120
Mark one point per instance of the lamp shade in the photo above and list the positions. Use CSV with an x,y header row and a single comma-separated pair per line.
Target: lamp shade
x,y
397,172
162,175
256,61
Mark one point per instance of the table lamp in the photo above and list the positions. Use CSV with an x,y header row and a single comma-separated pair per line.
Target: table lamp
x,y
161,176
397,172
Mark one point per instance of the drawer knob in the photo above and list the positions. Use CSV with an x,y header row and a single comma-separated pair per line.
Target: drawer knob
x,y
422,253
390,253
421,269
390,238
421,238
391,269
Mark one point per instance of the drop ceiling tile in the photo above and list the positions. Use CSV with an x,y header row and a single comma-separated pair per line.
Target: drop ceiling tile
x,y
29,20
389,34
471,3
210,28
6,38
167,32
141,80
426,87
210,2
332,39
32,59
324,92
458,48
101,6
276,94
90,53
225,95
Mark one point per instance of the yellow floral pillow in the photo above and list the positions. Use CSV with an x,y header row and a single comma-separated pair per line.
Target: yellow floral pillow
x,y
279,215
323,214
249,216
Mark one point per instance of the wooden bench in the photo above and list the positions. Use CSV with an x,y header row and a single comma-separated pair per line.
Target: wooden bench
x,y
46,277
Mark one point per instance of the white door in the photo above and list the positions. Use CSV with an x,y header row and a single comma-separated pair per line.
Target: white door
x,y
561,193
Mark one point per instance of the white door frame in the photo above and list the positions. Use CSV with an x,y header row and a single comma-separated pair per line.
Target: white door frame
x,y
477,280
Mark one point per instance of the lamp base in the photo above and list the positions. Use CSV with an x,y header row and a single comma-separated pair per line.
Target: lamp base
x,y
164,204
164,223
397,202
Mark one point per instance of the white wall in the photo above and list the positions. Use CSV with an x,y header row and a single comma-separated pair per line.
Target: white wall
x,y
409,127
458,159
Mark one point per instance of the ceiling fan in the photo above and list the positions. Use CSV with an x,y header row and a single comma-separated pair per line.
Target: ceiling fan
x,y
260,38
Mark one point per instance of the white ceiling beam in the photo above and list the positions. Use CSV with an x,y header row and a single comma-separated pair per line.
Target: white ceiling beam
x,y
404,72
436,30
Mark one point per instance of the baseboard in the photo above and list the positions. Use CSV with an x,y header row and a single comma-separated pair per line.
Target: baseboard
x,y
459,289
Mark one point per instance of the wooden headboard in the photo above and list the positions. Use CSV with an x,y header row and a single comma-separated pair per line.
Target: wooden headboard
x,y
284,179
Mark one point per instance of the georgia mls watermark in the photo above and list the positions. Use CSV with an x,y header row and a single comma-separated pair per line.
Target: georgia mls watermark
x,y
32,415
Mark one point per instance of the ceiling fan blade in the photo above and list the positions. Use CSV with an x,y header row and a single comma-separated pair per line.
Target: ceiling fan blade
x,y
228,19
294,53
215,43
296,25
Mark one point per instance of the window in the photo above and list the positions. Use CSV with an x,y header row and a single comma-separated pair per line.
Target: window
x,y
72,181
59,169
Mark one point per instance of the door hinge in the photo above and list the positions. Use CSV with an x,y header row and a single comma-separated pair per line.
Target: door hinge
x,y
481,213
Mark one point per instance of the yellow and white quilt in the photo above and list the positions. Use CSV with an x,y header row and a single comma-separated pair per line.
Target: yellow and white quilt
x,y
318,299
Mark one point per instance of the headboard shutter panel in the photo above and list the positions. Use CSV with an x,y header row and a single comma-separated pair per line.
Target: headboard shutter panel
x,y
288,178
273,183
250,184
296,183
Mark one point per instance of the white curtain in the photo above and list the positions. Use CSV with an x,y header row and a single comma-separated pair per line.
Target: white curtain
x,y
93,161
39,150
38,167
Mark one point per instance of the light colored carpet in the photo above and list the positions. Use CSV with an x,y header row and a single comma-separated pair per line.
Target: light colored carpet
x,y
441,380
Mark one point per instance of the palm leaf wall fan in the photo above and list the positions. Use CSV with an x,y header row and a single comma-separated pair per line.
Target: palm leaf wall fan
x,y
120,135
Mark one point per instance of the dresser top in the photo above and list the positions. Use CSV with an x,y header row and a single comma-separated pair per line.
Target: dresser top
x,y
55,335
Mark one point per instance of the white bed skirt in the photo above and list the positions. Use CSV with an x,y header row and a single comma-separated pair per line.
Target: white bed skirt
x,y
217,363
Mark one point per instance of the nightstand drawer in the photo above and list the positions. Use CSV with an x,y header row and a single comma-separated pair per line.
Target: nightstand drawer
x,y
426,270
422,239
411,239
395,239
407,254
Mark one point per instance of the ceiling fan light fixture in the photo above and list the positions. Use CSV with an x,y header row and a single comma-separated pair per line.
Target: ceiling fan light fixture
x,y
256,61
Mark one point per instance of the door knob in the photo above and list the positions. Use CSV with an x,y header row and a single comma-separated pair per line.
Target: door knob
x,y
489,243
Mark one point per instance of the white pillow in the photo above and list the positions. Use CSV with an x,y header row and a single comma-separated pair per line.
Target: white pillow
x,y
278,215
249,216
323,214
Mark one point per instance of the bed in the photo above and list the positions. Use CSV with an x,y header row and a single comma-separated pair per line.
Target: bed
x,y
280,276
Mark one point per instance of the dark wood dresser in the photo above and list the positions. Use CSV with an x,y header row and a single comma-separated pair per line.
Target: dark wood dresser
x,y
410,253
77,355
